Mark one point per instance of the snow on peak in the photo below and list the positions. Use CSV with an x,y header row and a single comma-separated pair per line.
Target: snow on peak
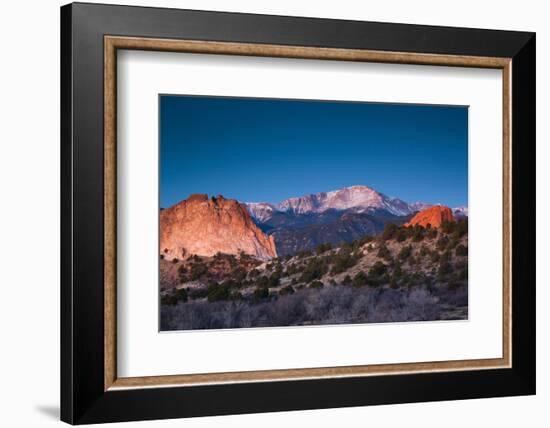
x,y
358,198
260,211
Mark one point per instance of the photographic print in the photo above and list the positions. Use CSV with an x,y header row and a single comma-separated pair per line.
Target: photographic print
x,y
279,212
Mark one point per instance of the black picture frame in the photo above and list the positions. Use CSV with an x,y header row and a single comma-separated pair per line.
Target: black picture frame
x,y
83,398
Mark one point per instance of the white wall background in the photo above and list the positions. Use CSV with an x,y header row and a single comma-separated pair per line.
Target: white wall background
x,y
29,214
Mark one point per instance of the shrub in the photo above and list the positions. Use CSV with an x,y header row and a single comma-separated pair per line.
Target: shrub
x,y
384,252
235,296
316,284
405,252
405,279
286,290
360,279
378,274
442,243
378,269
431,233
448,227
418,234
217,292
315,269
198,270
444,268
323,248
397,272
231,283
198,293
169,299
303,254
401,234
175,260
262,281
292,269
343,261
238,274
279,269
243,255
328,305
462,227
274,280
461,250
347,280
389,232
417,278
232,260
261,293
181,294
182,274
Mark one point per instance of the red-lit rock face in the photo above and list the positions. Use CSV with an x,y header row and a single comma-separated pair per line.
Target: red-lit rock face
x,y
204,227
433,216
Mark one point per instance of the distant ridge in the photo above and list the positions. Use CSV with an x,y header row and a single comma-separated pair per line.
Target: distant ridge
x,y
358,199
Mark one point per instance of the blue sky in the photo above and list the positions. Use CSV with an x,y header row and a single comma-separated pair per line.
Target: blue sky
x,y
268,149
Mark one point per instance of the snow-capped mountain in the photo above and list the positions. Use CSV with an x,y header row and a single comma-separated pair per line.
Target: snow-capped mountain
x,y
420,206
460,211
360,199
261,211
337,216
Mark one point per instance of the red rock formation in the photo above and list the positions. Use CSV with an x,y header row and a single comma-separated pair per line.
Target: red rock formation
x,y
204,227
434,216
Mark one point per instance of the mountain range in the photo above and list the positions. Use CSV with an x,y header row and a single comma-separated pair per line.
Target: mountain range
x,y
357,199
207,226
343,215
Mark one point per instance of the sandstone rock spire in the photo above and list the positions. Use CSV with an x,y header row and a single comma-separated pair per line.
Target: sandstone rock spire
x,y
203,226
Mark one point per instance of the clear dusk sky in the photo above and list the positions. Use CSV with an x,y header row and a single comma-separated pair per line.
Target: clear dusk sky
x,y
267,150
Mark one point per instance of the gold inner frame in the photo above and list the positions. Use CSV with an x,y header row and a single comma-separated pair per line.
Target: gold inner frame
x,y
113,43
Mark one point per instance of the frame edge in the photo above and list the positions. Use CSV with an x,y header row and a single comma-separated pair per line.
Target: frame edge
x,y
66,316
81,399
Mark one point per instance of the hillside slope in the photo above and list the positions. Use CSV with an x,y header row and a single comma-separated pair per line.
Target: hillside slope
x,y
398,266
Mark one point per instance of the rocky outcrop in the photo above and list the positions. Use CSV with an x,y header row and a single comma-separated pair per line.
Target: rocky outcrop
x,y
432,216
204,227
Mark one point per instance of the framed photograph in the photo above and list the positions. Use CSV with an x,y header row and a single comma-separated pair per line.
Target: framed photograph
x,y
266,213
